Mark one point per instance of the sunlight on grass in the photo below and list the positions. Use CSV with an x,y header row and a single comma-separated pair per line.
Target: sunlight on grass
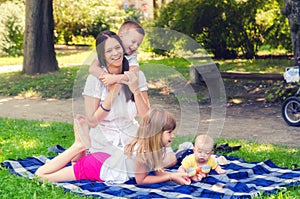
x,y
65,56
10,61
30,94
255,147
28,144
45,124
265,148
276,66
21,144
236,101
78,58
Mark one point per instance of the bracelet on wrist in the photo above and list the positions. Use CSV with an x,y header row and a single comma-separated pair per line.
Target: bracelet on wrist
x,y
106,110
136,91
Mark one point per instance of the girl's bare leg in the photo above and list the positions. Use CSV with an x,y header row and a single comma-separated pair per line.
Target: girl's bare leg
x,y
54,170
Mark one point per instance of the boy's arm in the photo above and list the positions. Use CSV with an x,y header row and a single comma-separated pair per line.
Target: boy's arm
x,y
134,68
95,69
106,78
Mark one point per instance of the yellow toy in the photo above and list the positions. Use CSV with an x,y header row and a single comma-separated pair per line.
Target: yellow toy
x,y
192,171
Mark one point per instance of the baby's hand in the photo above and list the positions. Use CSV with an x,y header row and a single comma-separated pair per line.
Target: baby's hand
x,y
219,170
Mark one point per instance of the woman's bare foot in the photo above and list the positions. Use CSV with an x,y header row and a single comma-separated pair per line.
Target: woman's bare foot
x,y
81,131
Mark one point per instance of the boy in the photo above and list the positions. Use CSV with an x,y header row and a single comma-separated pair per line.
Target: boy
x,y
201,158
132,35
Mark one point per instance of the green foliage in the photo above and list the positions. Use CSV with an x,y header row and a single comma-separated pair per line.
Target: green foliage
x,y
82,20
88,18
12,25
215,26
12,43
279,91
133,14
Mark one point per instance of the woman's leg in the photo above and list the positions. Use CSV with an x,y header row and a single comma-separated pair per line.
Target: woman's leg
x,y
85,139
78,156
54,169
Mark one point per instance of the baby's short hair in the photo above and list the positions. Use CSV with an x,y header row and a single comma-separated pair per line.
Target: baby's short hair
x,y
204,139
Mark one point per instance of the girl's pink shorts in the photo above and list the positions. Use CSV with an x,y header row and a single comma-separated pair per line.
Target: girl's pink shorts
x,y
89,167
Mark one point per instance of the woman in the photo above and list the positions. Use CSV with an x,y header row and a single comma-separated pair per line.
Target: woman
x,y
111,110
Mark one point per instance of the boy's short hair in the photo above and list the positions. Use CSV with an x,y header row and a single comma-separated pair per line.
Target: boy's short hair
x,y
127,25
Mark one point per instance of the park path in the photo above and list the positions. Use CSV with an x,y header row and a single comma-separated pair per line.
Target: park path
x,y
254,123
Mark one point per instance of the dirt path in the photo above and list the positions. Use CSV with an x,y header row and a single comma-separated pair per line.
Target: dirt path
x,y
254,123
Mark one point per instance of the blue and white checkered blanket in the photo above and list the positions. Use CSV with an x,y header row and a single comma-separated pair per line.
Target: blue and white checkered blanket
x,y
243,180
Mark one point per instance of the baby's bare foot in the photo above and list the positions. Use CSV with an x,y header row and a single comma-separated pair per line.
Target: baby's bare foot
x,y
82,132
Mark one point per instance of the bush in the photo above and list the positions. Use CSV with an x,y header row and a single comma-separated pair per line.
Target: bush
x,y
12,26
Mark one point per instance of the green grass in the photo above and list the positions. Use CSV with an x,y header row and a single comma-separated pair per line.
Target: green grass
x,y
64,56
60,84
50,85
4,61
22,138
276,66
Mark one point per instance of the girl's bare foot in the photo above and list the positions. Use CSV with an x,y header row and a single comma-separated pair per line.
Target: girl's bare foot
x,y
81,132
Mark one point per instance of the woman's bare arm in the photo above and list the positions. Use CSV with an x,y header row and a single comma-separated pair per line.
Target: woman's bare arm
x,y
96,113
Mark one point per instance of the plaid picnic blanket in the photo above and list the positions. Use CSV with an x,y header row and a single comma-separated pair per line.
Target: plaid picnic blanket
x,y
243,180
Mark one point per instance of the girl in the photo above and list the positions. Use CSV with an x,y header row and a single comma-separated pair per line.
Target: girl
x,y
143,154
155,134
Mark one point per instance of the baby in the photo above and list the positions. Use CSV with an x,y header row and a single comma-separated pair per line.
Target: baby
x,y
199,164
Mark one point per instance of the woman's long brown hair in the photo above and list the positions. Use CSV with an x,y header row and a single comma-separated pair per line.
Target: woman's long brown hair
x,y
100,45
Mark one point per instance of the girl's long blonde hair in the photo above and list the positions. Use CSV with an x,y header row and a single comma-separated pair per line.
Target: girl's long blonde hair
x,y
148,144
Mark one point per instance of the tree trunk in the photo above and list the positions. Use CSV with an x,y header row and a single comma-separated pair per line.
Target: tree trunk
x,y
39,54
292,11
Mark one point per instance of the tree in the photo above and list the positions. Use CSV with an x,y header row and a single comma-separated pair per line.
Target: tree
x,y
292,11
39,54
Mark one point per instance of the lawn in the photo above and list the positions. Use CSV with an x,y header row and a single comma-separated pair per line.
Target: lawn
x,y
23,138
60,84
